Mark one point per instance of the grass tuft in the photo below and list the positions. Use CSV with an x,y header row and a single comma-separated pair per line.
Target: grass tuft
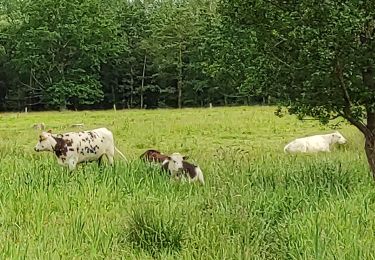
x,y
155,233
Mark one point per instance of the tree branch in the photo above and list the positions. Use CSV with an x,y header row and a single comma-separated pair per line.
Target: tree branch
x,y
340,76
37,81
29,87
347,113
359,124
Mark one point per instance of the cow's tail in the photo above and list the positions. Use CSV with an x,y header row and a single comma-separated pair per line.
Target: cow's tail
x,y
199,175
122,155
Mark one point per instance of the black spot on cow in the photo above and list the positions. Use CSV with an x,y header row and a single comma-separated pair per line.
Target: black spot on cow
x,y
60,148
71,149
89,149
189,169
165,167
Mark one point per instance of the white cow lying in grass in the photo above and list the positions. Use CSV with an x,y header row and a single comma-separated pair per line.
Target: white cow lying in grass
x,y
315,143
176,165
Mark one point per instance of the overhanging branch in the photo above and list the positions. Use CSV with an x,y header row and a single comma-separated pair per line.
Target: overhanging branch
x,y
359,124
340,76
347,110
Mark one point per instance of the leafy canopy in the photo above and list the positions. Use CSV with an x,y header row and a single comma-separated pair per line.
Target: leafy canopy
x,y
313,56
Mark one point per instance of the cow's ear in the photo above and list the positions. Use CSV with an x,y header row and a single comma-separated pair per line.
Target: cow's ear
x,y
185,157
49,131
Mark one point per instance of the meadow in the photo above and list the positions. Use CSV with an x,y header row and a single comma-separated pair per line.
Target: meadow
x,y
258,203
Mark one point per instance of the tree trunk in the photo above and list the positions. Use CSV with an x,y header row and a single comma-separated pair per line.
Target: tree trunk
x,y
143,80
62,106
131,87
179,97
179,83
370,141
369,83
370,153
31,87
113,94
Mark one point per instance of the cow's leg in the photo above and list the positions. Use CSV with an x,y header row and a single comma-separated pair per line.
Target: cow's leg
x,y
110,154
100,160
72,164
110,159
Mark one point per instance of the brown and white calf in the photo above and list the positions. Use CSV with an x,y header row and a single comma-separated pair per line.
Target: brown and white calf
x,y
74,148
176,164
153,156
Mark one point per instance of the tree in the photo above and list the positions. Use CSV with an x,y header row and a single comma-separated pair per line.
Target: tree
x,y
59,47
173,31
316,57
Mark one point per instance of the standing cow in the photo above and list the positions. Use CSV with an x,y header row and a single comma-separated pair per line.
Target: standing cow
x,y
74,148
315,143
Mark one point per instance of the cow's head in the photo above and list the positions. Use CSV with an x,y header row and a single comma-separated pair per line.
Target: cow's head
x,y
339,138
175,162
46,142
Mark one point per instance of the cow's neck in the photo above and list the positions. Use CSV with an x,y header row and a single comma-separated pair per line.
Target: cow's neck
x,y
328,138
58,145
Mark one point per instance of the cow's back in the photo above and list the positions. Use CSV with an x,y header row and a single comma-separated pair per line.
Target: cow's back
x,y
314,143
94,144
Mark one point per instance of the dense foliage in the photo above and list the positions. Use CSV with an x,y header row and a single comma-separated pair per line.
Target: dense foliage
x,y
94,54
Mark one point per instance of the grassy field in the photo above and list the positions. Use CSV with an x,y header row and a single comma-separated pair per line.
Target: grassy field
x,y
258,203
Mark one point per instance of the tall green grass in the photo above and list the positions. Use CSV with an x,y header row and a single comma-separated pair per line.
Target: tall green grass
x,y
258,203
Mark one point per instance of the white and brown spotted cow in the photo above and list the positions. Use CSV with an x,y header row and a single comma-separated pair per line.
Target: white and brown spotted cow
x,y
178,168
74,148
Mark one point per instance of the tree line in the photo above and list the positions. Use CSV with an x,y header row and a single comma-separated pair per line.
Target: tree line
x,y
82,54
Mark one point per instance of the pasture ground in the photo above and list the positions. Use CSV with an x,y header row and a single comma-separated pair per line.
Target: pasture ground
x,y
258,203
